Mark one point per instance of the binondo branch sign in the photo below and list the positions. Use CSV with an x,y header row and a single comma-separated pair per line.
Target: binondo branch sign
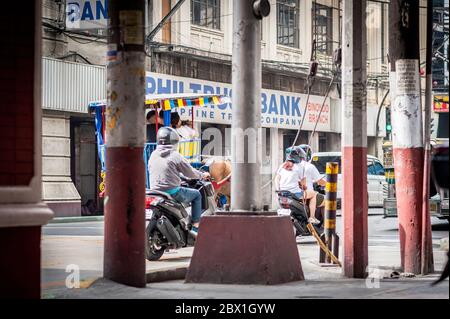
x,y
278,109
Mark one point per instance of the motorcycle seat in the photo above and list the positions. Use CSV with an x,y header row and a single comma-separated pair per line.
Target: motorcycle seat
x,y
159,193
166,196
289,195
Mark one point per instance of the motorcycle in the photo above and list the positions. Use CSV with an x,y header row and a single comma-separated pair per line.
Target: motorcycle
x,y
293,206
168,222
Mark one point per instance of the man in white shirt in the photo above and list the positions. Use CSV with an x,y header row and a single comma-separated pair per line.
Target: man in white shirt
x,y
313,176
289,178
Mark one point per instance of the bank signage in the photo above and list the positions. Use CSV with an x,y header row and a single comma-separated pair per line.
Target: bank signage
x,y
86,14
278,109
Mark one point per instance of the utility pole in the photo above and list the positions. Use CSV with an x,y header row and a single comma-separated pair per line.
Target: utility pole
x,y
354,137
246,80
248,245
407,128
124,258
427,264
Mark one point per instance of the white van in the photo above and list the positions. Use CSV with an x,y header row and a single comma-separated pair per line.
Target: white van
x,y
376,181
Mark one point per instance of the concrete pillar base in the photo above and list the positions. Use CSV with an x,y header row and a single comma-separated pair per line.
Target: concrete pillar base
x,y
245,249
20,249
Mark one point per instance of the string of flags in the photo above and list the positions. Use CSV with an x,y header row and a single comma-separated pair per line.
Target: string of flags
x,y
169,104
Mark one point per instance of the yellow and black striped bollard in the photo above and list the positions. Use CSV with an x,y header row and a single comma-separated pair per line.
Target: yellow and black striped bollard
x,y
329,236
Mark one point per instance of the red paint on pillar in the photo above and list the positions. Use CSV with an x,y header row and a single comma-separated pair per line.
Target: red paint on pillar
x,y
354,211
408,186
124,259
17,87
20,262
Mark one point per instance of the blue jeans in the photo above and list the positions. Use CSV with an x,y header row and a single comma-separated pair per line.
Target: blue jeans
x,y
299,195
189,195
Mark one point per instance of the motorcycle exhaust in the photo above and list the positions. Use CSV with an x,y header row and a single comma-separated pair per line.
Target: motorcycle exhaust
x,y
301,231
166,228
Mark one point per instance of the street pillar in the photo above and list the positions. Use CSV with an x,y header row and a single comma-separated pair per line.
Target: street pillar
x,y
246,245
22,212
407,129
246,80
124,258
427,263
354,137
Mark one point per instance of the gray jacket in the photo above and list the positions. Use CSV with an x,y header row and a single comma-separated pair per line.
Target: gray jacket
x,y
165,165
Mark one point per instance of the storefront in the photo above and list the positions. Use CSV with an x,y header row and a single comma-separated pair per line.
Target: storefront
x,y
69,129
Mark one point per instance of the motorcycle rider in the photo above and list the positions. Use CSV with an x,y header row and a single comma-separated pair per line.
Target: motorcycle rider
x,y
166,164
311,172
291,177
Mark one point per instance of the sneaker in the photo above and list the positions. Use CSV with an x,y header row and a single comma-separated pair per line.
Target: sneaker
x,y
194,231
313,220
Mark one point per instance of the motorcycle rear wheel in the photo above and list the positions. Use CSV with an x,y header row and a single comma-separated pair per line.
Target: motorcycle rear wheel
x,y
152,252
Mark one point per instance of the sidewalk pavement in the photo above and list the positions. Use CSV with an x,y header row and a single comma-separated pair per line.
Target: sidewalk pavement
x,y
321,282
77,219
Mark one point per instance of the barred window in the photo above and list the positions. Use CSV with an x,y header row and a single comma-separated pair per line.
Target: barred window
x,y
324,29
206,13
287,22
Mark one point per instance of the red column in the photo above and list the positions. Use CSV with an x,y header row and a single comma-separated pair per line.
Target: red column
x,y
354,140
21,213
124,258
407,128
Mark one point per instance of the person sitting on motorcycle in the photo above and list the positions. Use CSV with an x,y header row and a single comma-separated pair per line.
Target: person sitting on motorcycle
x,y
314,199
291,177
166,164
312,174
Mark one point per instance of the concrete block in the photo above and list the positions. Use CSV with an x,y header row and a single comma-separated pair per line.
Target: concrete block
x,y
52,126
235,249
55,146
56,166
59,191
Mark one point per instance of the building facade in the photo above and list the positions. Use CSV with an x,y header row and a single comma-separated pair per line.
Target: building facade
x,y
440,69
192,53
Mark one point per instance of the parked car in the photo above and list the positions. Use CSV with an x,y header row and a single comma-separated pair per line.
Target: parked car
x,y
376,181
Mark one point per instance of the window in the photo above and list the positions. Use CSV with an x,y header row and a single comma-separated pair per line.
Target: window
x,y
375,168
370,168
320,162
206,13
323,26
287,22
379,169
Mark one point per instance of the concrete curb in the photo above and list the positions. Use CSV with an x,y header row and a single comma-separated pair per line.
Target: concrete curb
x,y
77,219
369,214
166,274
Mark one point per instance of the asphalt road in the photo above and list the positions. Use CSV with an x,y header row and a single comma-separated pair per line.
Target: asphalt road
x,y
380,229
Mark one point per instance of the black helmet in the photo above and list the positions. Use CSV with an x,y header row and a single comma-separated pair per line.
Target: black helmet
x,y
167,136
